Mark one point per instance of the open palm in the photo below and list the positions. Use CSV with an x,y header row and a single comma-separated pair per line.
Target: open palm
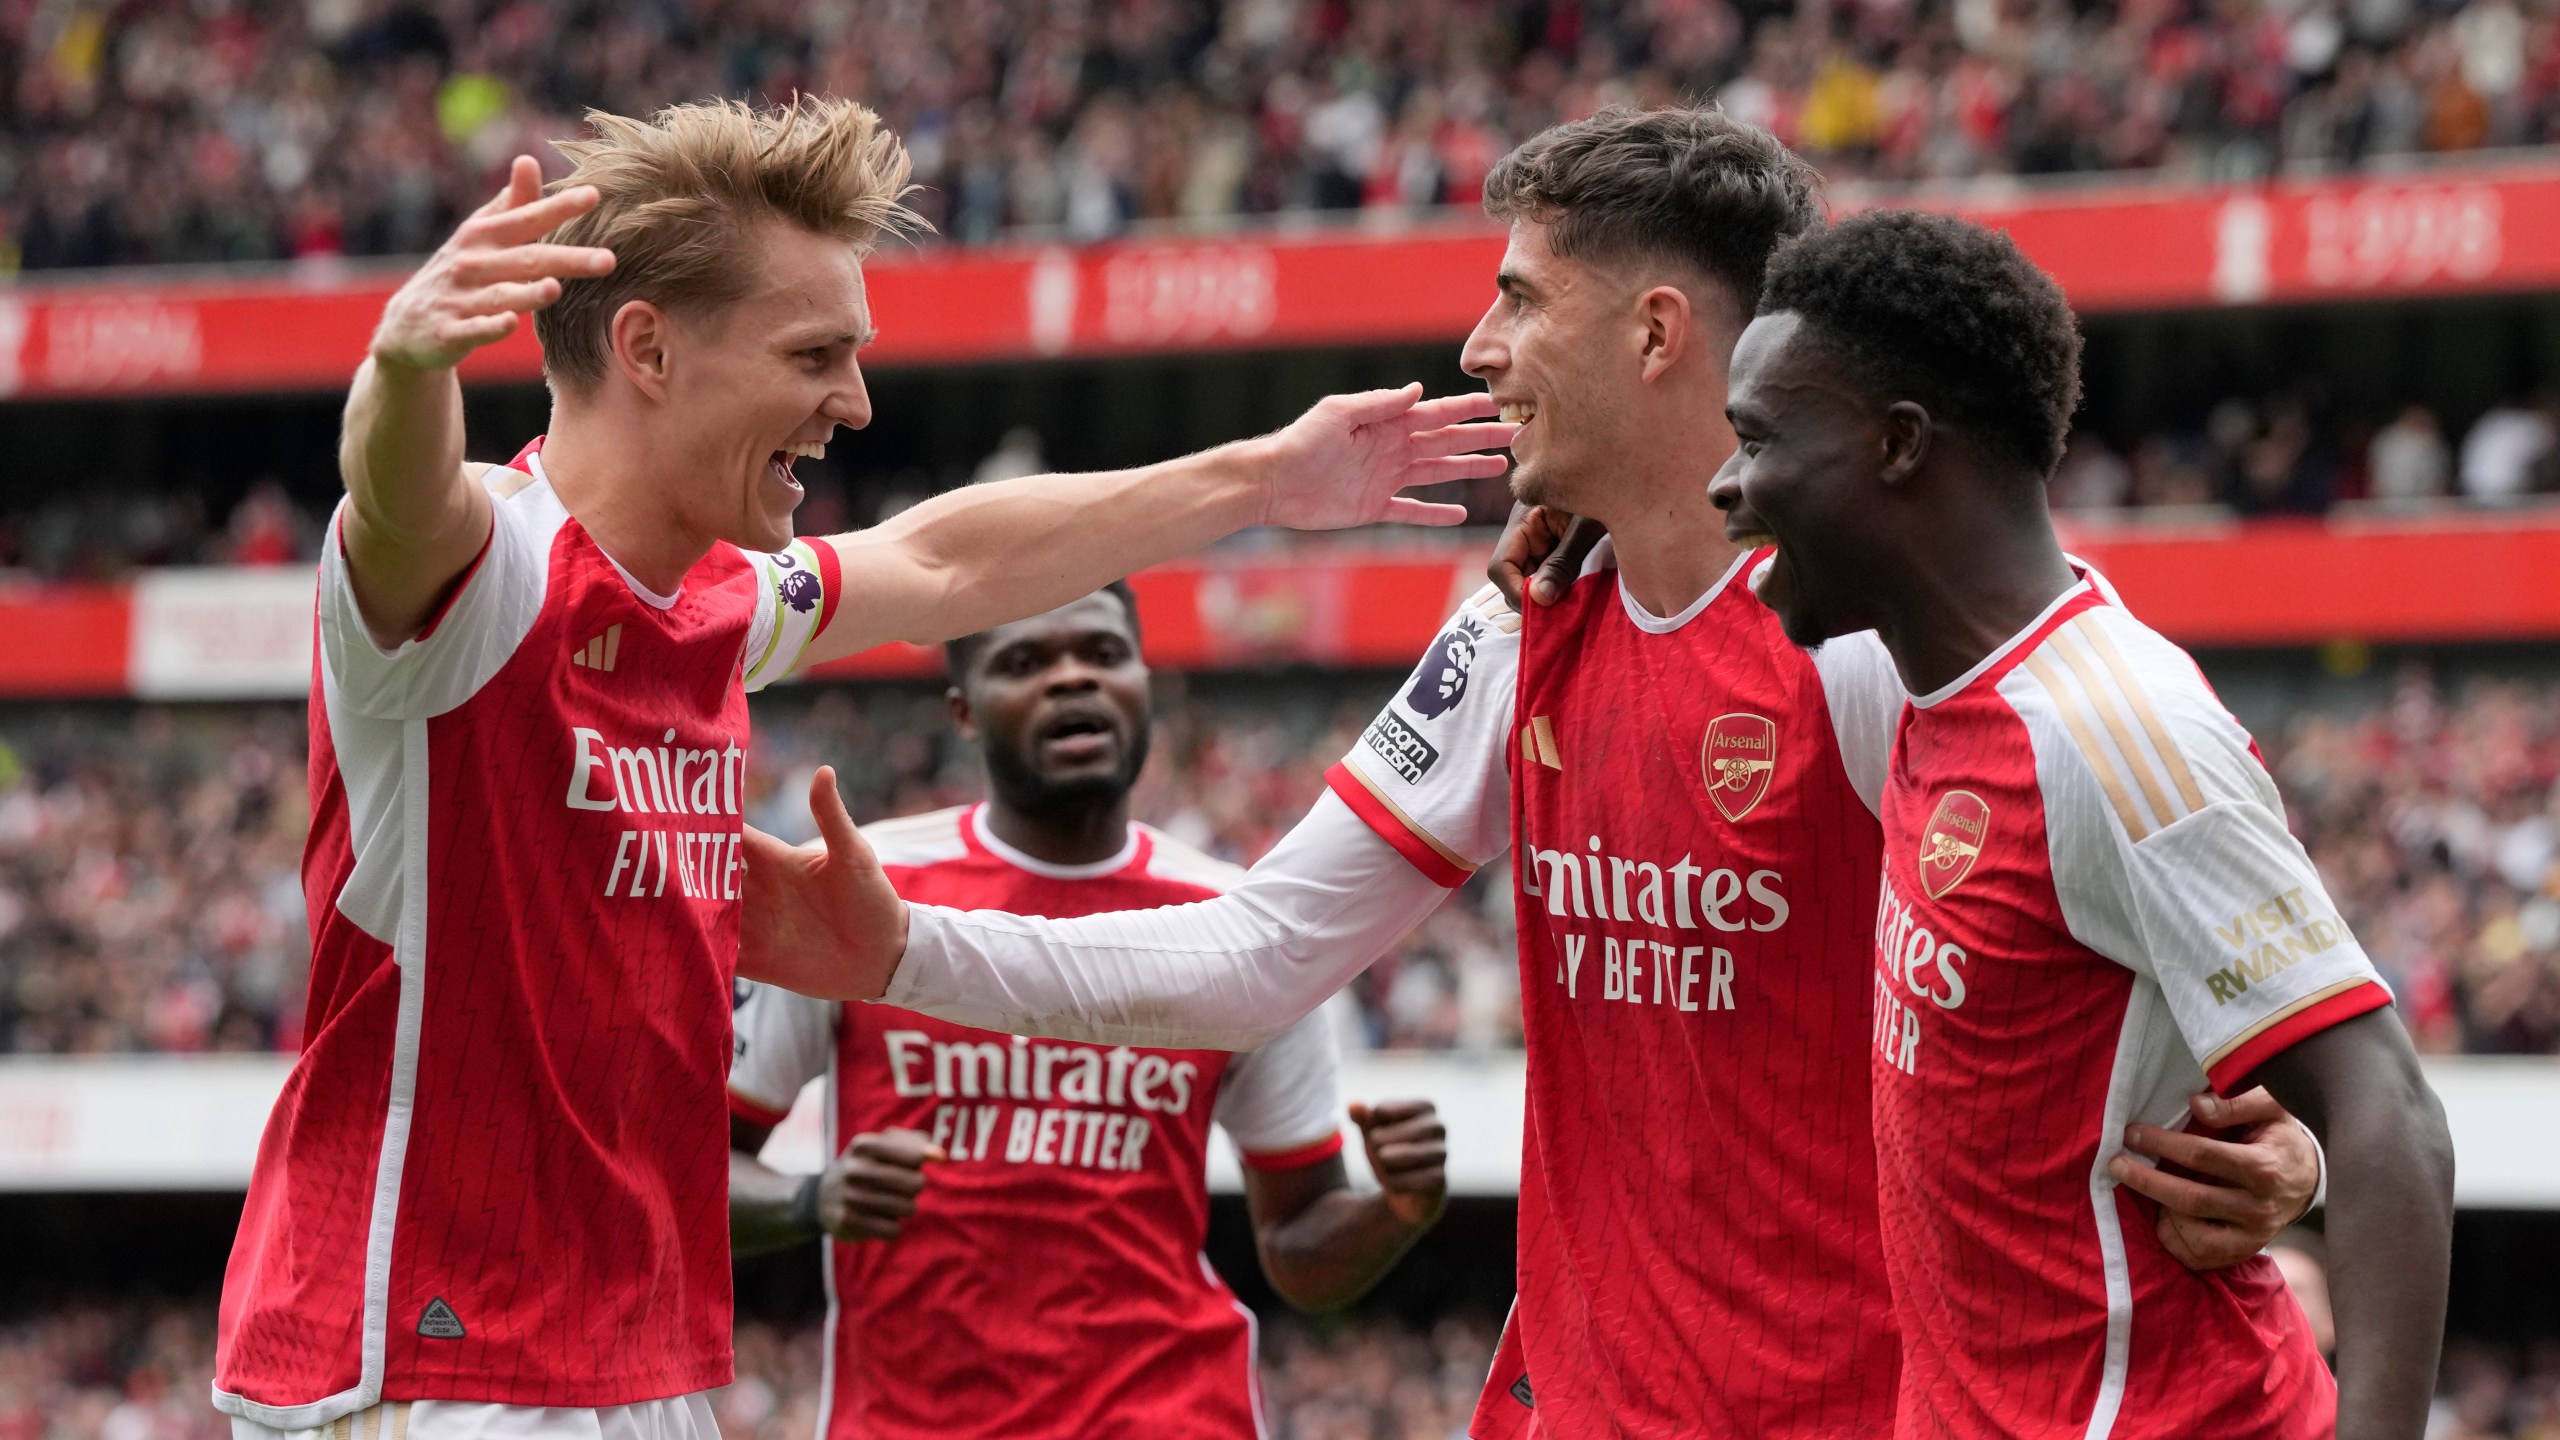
x,y
1348,460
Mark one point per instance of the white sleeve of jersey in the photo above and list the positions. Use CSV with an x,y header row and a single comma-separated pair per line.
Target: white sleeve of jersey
x,y
475,635
1431,774
784,1041
1865,696
2170,852
1288,1094
1230,973
795,598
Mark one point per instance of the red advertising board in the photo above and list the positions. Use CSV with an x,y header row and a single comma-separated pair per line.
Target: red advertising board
x,y
2113,249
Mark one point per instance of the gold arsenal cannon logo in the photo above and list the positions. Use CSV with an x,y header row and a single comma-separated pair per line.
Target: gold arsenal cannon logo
x,y
1737,761
1952,841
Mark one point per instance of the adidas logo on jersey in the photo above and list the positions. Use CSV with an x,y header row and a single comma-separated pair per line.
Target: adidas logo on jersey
x,y
599,653
439,1322
1538,743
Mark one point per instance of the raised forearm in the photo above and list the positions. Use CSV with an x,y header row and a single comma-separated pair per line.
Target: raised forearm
x,y
414,517
760,1206
1331,1253
401,451
2390,1215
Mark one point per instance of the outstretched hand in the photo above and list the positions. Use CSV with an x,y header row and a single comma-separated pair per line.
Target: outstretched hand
x,y
488,275
1346,461
1540,552
820,918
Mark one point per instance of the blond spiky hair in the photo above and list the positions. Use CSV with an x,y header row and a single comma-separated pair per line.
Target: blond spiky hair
x,y
682,187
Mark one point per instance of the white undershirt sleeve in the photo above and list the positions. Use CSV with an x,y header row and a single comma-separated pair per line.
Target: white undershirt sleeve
x,y
1864,693
1230,973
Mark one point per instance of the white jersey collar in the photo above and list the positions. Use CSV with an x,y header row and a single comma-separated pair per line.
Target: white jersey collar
x,y
1653,624
2078,589
1093,870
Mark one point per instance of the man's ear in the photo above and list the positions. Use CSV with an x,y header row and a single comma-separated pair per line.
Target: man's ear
x,y
957,701
638,338
1905,438
1664,316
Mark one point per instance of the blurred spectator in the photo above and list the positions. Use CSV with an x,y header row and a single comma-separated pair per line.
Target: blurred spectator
x,y
158,132
2507,454
1015,456
128,1369
2407,463
265,529
2091,477
2274,466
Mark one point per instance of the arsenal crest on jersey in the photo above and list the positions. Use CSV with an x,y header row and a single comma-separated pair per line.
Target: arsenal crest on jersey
x,y
1738,760
1952,841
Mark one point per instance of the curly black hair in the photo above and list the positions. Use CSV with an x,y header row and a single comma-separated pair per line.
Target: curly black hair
x,y
957,653
1689,184
1945,312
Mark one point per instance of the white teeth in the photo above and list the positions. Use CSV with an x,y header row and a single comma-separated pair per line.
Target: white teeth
x,y
806,452
1519,412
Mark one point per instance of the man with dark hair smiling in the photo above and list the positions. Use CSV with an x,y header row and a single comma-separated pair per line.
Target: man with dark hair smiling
x,y
1688,801
2090,904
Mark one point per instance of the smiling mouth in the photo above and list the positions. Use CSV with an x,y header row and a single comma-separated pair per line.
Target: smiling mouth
x,y
1519,412
778,464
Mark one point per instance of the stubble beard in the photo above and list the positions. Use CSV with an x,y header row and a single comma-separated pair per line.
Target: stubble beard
x,y
1530,485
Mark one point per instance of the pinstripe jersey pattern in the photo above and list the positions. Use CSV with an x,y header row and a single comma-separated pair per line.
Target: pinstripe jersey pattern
x,y
2090,907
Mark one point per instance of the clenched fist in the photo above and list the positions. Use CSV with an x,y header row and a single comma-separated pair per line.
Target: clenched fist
x,y
871,1189
1409,1153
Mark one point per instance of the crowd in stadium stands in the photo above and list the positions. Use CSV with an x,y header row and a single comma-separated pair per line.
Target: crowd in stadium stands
x,y
149,898
2283,456
139,1370
157,131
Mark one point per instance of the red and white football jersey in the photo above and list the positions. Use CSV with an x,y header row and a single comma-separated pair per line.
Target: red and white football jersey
x,y
2091,908
1051,1282
1692,802
498,1170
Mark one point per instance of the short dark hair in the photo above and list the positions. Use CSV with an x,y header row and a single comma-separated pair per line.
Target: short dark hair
x,y
1944,312
1693,185
957,654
